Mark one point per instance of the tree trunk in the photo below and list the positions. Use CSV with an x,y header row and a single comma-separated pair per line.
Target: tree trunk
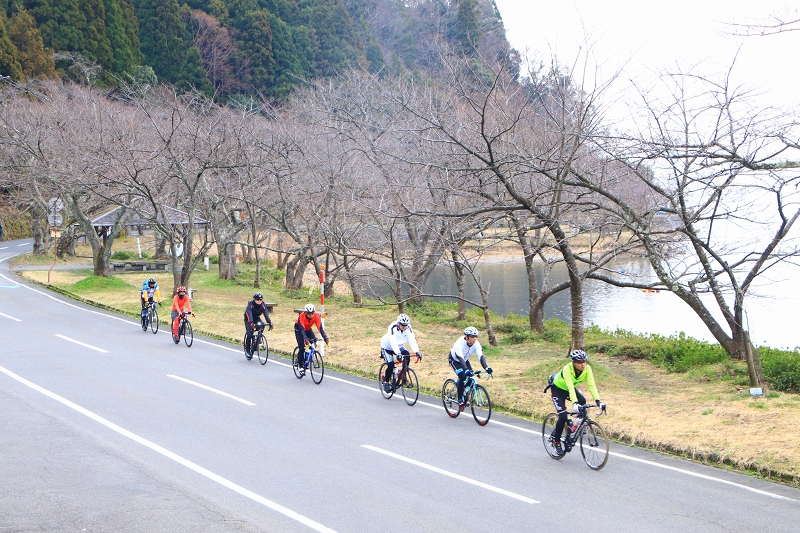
x,y
575,286
66,242
351,280
160,246
38,229
486,316
228,267
458,271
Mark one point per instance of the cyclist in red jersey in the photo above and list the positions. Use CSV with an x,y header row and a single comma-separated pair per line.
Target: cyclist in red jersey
x,y
181,304
303,332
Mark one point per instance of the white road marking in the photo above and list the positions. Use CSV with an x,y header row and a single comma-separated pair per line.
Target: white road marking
x,y
24,244
67,303
11,317
451,474
206,387
82,344
4,248
316,526
703,476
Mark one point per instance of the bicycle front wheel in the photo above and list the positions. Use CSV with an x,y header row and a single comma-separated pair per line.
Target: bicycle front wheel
x,y
317,368
263,349
154,321
381,383
548,428
481,405
594,446
450,398
410,387
297,369
188,335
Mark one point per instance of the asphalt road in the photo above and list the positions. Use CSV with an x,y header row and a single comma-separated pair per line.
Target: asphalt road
x,y
106,428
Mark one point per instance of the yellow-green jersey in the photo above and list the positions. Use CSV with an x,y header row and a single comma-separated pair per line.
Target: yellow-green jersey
x,y
566,380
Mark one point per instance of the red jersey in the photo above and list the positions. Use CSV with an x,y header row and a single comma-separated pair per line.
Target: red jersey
x,y
179,304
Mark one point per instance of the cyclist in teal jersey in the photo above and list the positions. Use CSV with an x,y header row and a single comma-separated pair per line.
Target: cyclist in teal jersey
x,y
562,387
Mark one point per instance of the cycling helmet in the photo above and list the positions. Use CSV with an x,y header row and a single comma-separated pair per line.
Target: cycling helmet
x,y
470,331
310,308
578,356
403,319
151,280
181,289
258,296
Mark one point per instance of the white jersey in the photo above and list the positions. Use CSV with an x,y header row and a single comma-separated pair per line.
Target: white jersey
x,y
396,338
461,351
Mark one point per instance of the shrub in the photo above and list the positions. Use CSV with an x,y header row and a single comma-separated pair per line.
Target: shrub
x,y
122,255
557,331
781,368
16,226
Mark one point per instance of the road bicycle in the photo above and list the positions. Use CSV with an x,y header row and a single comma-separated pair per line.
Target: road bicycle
x,y
150,318
312,361
259,344
477,398
184,330
584,431
403,378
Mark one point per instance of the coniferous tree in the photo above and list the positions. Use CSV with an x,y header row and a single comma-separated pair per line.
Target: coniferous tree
x,y
336,45
73,26
9,66
122,36
35,60
163,38
467,31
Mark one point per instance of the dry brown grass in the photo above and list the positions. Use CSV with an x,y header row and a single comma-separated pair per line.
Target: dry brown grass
x,y
714,421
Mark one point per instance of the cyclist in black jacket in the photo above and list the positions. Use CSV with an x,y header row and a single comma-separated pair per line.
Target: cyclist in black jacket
x,y
255,309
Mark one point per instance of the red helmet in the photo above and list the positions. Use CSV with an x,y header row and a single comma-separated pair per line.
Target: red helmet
x,y
181,289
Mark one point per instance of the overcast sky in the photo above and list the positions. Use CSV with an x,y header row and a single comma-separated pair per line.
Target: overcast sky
x,y
646,36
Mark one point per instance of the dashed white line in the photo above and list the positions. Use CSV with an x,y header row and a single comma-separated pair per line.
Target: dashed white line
x,y
24,244
206,387
4,248
82,344
11,317
175,457
451,474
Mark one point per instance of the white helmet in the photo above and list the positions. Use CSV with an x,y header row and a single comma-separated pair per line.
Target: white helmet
x,y
470,331
403,319
310,308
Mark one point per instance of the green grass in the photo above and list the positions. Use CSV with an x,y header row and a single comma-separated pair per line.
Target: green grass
x,y
99,283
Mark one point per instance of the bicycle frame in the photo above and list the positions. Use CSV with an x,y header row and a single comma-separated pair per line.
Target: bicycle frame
x,y
571,437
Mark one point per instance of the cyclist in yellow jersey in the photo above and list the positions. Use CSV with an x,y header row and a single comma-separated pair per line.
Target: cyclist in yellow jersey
x,y
562,387
149,294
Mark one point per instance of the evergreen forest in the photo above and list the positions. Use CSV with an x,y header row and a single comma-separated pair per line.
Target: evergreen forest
x,y
233,50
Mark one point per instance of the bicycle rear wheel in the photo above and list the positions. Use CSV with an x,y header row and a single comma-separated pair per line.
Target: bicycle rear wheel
x,y
481,405
262,347
594,446
317,366
297,373
381,383
548,428
188,335
450,398
154,321
410,387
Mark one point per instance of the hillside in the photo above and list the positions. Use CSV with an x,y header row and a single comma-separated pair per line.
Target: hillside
x,y
237,49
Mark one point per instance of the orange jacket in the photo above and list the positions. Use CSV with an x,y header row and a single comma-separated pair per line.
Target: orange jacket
x,y
178,303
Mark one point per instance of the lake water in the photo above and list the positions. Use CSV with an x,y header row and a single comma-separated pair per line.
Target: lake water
x,y
771,308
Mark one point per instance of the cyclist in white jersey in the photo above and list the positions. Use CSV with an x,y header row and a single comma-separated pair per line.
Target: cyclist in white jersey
x,y
460,353
393,345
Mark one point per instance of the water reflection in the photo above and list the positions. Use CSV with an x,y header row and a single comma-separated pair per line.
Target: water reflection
x,y
771,308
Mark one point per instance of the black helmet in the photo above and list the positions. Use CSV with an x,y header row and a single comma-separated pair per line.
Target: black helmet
x,y
258,296
151,281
